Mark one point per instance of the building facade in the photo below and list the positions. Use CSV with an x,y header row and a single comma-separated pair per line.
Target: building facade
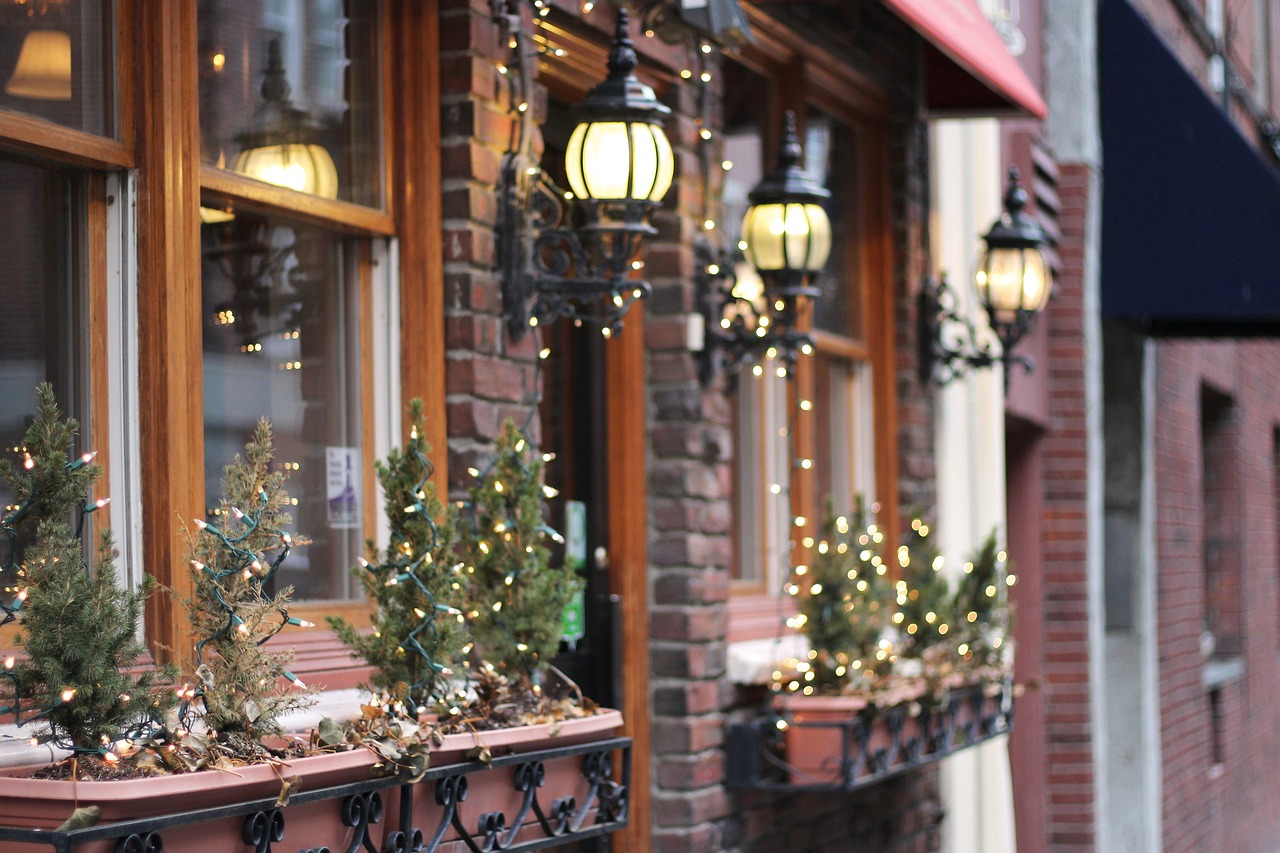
x,y
173,298
1141,484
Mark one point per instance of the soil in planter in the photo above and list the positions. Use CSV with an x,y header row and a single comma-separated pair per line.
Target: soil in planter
x,y
91,768
238,752
501,703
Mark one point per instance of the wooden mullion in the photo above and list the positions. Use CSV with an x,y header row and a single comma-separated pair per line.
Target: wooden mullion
x,y
625,420
37,138
416,145
92,266
839,346
879,329
122,52
171,419
266,198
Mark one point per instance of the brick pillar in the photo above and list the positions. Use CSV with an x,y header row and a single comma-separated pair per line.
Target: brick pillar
x,y
689,510
1069,723
489,377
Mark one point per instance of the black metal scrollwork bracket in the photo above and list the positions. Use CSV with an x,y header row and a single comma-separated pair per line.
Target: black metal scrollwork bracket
x,y
873,747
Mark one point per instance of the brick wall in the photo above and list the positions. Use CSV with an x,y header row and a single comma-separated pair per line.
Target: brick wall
x,y
488,376
1220,776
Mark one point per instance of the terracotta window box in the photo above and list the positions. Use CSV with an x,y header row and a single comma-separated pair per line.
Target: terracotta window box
x,y
843,743
535,793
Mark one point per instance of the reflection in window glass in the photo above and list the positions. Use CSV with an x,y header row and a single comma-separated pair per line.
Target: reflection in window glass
x,y
288,94
56,62
844,432
43,321
831,154
281,330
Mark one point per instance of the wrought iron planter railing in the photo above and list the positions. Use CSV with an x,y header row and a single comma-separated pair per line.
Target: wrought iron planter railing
x,y
381,816
862,746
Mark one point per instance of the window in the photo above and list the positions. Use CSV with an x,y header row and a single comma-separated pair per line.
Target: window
x,y
288,95
812,438
56,62
45,298
282,327
1223,594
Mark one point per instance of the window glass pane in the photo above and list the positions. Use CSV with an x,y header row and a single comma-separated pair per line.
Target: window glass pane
x,y
288,94
42,325
832,152
762,481
281,340
56,61
745,112
843,434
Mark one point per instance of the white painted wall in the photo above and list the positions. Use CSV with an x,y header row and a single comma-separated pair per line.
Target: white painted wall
x,y
969,441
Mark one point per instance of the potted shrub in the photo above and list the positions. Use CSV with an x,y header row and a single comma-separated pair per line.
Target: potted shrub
x,y
901,667
130,758
467,614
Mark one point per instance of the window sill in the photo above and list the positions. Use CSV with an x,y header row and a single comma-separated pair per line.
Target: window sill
x,y
16,749
754,661
1219,672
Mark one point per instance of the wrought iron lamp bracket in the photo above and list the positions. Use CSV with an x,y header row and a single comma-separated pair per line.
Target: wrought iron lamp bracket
x,y
551,268
734,340
951,345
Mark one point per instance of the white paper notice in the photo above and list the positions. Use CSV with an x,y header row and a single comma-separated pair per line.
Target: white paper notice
x,y
343,465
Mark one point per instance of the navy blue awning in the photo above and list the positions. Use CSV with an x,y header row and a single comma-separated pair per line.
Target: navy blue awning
x,y
1190,210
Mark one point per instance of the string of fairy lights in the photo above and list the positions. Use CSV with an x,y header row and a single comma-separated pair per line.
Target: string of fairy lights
x,y
700,72
16,595
242,573
402,565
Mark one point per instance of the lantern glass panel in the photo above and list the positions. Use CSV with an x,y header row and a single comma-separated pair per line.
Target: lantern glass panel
x,y
1010,281
787,236
617,161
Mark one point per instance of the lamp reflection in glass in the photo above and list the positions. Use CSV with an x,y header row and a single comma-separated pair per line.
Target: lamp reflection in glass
x,y
43,72
619,165
1013,282
283,145
786,240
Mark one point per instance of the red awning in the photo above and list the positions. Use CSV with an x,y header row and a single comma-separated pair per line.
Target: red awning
x,y
968,69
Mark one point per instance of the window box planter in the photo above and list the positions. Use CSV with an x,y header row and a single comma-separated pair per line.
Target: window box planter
x,y
843,743
536,793
545,780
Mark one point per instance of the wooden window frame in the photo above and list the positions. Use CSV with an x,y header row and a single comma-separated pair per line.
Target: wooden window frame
x,y
157,133
159,136
809,78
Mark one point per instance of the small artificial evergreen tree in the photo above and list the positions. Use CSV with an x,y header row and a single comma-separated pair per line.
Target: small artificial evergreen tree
x,y
242,690
516,598
79,629
415,585
846,600
923,594
981,609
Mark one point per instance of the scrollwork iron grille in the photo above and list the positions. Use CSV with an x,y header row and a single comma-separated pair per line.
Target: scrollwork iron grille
x,y
757,759
544,819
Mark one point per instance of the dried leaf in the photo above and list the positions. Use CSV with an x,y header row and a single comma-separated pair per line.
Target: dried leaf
x,y
482,754
81,818
331,732
288,788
